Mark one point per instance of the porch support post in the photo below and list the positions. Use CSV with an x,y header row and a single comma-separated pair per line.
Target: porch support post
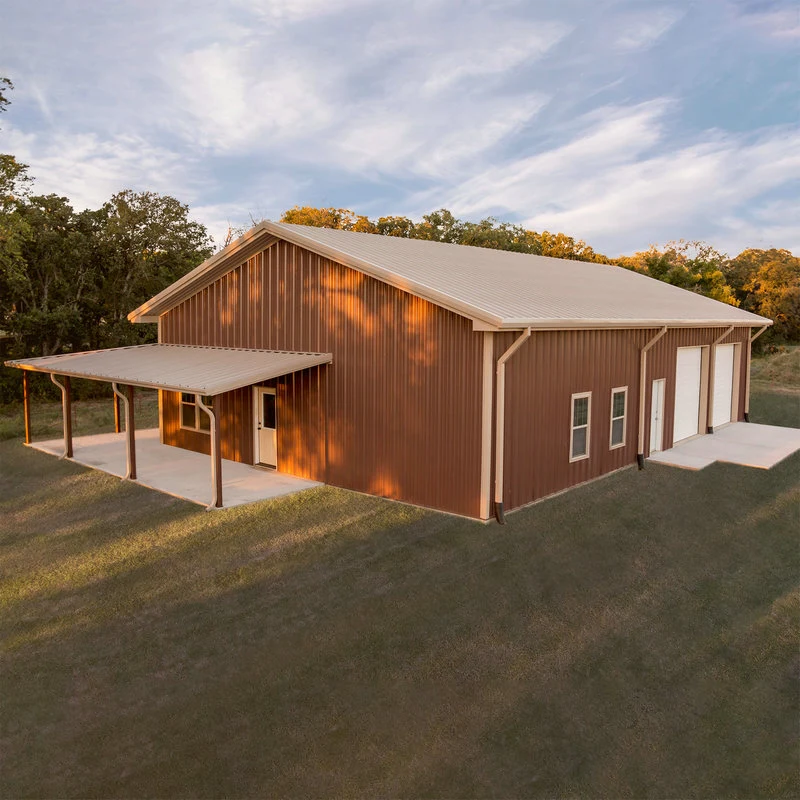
x,y
66,412
130,429
117,427
216,456
26,405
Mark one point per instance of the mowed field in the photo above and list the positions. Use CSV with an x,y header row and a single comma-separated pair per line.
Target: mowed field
x,y
634,637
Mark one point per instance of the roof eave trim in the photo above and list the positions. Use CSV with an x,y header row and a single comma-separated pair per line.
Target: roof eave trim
x,y
624,324
145,312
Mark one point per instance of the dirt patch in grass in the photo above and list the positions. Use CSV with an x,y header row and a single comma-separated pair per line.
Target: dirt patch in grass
x,y
634,637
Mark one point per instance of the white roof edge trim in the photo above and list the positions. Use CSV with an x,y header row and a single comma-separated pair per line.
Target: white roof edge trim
x,y
623,324
139,314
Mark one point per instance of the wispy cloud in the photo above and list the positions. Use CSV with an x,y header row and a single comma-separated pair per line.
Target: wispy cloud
x,y
642,30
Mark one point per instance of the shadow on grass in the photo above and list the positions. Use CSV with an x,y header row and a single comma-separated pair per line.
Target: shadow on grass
x,y
636,636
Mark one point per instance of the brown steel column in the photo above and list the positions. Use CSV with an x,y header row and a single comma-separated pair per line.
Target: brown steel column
x,y
117,427
216,453
130,434
26,405
66,412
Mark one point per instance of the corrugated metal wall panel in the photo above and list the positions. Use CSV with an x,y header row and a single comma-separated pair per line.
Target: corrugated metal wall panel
x,y
551,367
234,410
401,401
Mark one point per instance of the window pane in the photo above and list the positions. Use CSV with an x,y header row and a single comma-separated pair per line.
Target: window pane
x,y
619,404
187,398
617,431
187,415
209,401
268,416
205,422
580,411
579,442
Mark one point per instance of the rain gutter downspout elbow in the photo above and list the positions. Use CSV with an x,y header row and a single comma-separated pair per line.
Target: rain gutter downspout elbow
x,y
500,424
747,374
642,391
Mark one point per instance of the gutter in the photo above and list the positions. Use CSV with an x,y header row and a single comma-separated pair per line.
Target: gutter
x,y
500,424
747,373
642,392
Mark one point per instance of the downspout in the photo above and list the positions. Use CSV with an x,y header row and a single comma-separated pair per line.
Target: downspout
x,y
216,462
747,374
500,424
129,452
66,413
711,374
642,392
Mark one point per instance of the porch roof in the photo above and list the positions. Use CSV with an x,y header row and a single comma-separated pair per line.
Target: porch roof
x,y
176,367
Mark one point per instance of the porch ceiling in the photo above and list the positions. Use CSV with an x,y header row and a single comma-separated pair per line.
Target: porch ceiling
x,y
176,367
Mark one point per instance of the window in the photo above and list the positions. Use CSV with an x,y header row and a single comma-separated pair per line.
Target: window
x,y
619,410
192,416
579,434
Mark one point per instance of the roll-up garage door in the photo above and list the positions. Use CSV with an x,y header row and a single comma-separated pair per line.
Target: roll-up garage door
x,y
687,392
723,384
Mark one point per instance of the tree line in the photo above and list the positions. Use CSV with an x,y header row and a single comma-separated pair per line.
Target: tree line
x,y
69,278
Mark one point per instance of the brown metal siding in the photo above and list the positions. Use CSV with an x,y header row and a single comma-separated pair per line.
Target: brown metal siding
x,y
401,403
540,380
234,409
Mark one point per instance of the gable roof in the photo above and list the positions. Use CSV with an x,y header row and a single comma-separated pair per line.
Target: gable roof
x,y
494,288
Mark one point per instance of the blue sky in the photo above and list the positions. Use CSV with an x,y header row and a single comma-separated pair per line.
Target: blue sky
x,y
621,123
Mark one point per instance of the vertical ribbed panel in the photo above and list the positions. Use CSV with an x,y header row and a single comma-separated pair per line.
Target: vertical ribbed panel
x,y
396,414
235,413
552,366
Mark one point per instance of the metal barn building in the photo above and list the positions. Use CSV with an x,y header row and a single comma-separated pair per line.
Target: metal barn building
x,y
464,379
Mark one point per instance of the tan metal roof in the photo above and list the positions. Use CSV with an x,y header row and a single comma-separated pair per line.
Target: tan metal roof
x,y
494,287
176,367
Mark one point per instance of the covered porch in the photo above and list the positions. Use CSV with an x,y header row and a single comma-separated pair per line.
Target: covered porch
x,y
201,374
174,471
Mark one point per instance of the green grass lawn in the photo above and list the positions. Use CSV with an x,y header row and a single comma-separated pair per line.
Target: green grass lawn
x,y
634,637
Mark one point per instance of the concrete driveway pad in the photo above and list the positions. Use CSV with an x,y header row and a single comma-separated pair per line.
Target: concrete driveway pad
x,y
744,443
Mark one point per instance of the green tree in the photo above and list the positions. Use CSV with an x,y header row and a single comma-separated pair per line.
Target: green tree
x,y
146,242
341,218
773,289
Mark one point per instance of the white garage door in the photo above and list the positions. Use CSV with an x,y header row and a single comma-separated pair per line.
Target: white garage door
x,y
723,384
687,392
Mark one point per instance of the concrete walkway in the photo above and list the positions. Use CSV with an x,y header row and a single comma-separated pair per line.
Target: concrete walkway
x,y
744,443
178,472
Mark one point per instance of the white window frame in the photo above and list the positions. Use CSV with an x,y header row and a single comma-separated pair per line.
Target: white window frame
x,y
624,418
198,412
573,428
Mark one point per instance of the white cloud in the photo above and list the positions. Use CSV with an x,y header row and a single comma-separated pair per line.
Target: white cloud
x,y
610,185
236,100
778,23
638,32
88,169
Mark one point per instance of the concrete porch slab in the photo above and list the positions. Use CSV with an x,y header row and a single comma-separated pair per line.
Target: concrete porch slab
x,y
744,443
177,472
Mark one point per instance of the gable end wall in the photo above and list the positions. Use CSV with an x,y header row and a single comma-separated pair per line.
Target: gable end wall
x,y
397,413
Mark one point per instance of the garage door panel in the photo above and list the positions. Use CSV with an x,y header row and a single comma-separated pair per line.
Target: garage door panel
x,y
688,375
723,384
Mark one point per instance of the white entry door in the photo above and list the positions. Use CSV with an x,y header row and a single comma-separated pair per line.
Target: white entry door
x,y
687,393
266,427
657,416
723,384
